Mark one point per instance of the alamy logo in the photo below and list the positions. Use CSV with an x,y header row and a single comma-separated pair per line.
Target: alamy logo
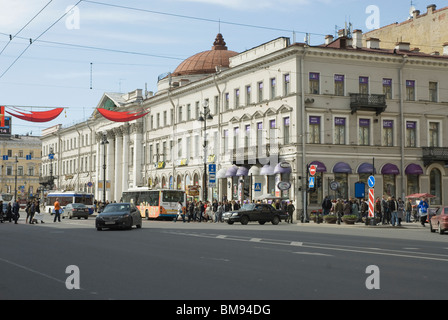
x,y
373,20
72,20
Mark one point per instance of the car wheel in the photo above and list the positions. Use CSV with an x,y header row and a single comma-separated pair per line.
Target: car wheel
x,y
229,222
99,228
261,222
244,220
440,230
275,220
431,228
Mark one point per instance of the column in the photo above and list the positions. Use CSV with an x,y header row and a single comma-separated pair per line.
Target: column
x,y
110,163
98,171
125,158
118,184
137,163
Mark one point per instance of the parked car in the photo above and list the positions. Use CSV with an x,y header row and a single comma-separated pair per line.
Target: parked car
x,y
119,215
75,210
439,221
261,212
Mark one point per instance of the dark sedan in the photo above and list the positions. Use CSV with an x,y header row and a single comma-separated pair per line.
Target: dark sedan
x,y
75,210
261,212
119,215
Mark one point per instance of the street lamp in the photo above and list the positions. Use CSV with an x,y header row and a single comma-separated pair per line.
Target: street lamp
x,y
51,157
104,142
15,181
204,116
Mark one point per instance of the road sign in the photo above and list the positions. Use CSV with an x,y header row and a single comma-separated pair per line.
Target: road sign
x,y
371,202
212,180
257,186
311,182
313,169
212,168
371,181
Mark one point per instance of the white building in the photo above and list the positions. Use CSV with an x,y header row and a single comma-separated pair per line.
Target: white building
x,y
276,109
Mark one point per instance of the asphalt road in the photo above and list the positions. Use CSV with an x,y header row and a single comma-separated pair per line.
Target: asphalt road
x,y
207,261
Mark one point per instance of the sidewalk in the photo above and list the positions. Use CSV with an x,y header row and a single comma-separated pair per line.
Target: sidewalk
x,y
404,225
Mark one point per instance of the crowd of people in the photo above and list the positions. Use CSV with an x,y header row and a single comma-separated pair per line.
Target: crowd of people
x,y
387,209
212,211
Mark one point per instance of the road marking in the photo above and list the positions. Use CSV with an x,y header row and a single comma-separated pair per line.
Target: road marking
x,y
295,243
314,254
255,239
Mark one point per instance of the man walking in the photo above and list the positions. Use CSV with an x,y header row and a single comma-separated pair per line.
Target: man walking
x,y
15,211
57,210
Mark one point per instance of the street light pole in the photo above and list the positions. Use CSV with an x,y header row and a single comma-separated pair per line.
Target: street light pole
x,y
104,142
15,182
205,115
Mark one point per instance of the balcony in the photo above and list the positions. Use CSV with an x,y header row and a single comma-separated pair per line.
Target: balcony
x,y
368,102
433,154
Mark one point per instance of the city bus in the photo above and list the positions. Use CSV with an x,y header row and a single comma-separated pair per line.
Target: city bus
x,y
66,197
6,197
155,204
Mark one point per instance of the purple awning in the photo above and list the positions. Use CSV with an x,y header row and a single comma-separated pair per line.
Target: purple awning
x,y
320,166
390,168
231,172
242,171
414,168
366,168
267,170
342,167
282,167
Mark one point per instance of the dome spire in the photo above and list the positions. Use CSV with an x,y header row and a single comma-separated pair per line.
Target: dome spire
x,y
219,43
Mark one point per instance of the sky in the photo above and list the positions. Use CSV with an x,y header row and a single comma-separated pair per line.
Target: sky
x,y
56,60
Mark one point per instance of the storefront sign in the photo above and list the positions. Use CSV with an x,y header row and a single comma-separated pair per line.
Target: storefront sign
x,y
284,185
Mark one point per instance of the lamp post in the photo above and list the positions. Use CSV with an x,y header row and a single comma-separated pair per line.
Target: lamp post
x,y
104,142
15,182
51,157
204,116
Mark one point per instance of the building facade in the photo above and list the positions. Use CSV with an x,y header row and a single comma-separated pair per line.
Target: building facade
x,y
270,112
20,164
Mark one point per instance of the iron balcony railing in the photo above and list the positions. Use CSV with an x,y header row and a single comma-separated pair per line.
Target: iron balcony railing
x,y
369,102
433,154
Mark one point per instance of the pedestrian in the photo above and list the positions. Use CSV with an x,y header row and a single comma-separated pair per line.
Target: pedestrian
x,y
218,214
423,210
9,212
15,211
408,209
32,212
355,209
385,209
57,210
180,212
393,209
326,205
290,209
378,209
400,211
339,209
37,212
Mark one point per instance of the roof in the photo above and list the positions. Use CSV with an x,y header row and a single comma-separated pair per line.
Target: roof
x,y
206,61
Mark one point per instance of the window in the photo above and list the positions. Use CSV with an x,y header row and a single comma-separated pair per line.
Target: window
x,y
339,84
260,133
433,134
364,132
180,114
364,85
339,130
272,131
314,82
248,90
260,91
410,90
286,130
226,140
158,120
188,111
31,170
273,88
179,147
433,91
9,153
9,171
387,88
286,84
226,102
314,123
20,154
237,98
151,124
216,98
247,136
196,108
411,134
236,131
388,133
20,171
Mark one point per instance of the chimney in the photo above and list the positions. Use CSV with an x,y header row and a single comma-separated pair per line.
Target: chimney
x,y
403,46
328,39
373,43
341,33
431,8
445,49
357,39
415,14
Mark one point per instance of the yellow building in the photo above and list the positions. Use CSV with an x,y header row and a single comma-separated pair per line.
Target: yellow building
x,y
427,32
20,165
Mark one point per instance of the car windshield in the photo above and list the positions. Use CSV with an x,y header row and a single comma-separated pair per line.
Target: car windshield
x,y
78,205
248,206
117,208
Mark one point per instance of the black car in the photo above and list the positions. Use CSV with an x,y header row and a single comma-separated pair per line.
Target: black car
x,y
119,215
261,212
75,210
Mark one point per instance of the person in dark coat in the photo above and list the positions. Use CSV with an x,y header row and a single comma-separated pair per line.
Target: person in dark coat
x,y
15,211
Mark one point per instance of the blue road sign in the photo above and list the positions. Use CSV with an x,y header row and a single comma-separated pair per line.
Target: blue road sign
x,y
257,186
311,182
212,168
371,181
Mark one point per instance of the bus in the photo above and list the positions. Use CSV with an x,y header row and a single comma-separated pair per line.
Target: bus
x,y
6,197
66,197
154,204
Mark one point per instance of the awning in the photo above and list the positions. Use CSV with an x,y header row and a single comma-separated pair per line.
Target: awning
x,y
282,167
413,168
231,172
242,171
320,166
221,173
254,171
342,167
366,168
267,170
390,168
